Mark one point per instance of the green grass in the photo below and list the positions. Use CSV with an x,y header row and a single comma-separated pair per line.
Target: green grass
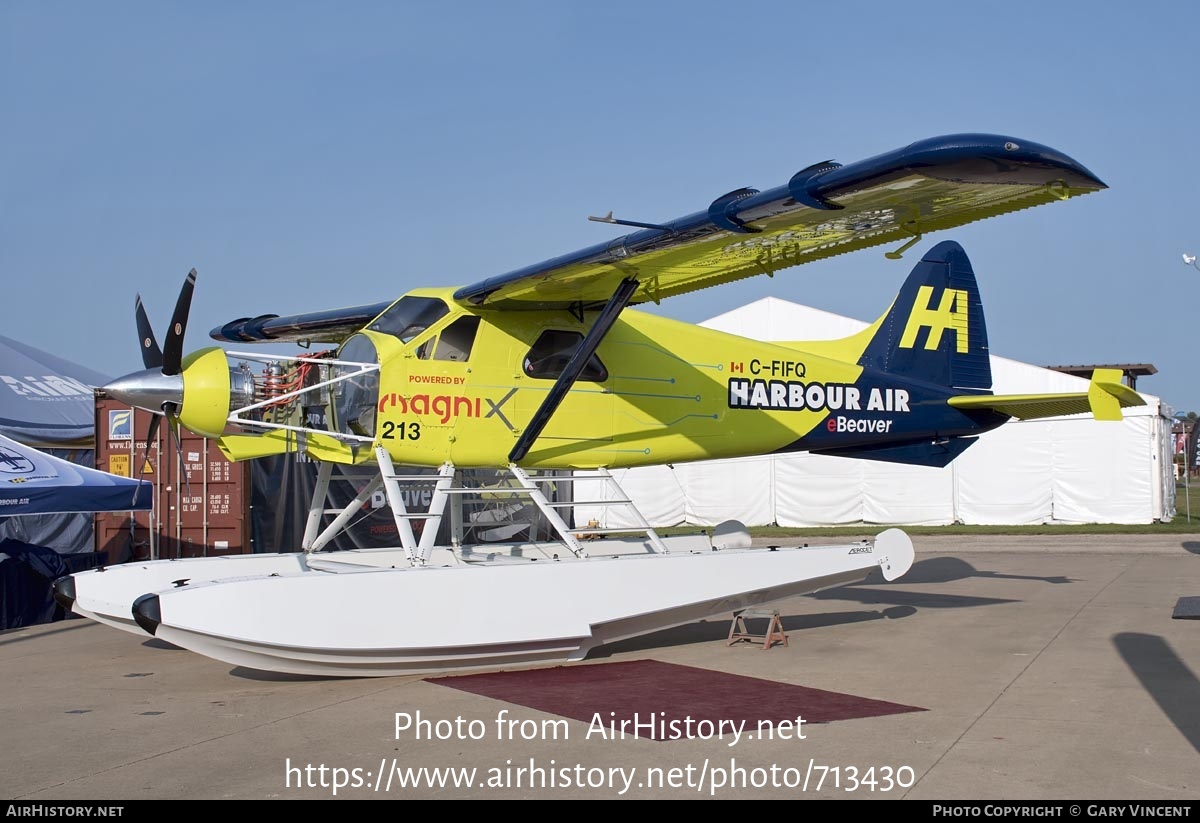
x,y
1180,524
1181,502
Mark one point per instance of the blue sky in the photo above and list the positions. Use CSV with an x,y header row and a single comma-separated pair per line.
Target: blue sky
x,y
310,155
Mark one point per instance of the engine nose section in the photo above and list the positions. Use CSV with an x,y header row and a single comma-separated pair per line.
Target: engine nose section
x,y
149,389
206,392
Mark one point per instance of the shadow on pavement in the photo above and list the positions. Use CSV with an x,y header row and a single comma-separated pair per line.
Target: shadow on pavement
x,y
14,636
946,569
717,628
155,643
1166,678
282,677
933,570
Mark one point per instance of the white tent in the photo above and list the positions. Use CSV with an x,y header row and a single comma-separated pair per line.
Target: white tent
x,y
1061,470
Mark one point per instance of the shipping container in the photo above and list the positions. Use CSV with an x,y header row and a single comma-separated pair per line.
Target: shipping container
x,y
201,500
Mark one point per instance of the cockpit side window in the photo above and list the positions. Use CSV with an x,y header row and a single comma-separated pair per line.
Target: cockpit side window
x,y
457,339
551,353
409,316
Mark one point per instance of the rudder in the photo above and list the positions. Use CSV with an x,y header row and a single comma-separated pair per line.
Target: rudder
x,y
934,330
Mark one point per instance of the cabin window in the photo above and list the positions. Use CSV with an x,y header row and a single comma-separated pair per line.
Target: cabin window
x,y
551,353
453,344
456,340
409,316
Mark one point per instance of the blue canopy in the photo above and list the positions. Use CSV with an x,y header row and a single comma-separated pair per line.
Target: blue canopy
x,y
33,482
45,401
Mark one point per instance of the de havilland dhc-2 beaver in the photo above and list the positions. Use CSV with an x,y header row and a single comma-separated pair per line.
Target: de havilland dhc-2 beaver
x,y
549,368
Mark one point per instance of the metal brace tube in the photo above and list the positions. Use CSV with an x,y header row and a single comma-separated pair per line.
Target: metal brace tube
x,y
316,506
343,518
396,500
437,506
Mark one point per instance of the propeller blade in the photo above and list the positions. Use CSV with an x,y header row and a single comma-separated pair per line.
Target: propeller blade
x,y
152,357
173,347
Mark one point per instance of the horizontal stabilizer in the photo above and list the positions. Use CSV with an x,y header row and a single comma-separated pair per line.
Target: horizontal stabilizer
x,y
1105,398
935,453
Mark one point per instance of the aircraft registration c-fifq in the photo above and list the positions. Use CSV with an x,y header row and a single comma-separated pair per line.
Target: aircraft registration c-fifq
x,y
549,368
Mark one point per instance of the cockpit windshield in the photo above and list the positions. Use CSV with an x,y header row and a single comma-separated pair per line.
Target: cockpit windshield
x,y
409,316
355,398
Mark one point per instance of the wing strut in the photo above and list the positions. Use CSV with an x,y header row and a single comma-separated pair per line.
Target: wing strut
x,y
608,315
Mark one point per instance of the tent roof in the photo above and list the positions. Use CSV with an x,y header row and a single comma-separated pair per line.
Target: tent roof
x,y
33,482
45,401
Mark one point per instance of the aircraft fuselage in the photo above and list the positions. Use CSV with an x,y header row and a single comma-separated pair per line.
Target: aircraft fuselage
x,y
657,391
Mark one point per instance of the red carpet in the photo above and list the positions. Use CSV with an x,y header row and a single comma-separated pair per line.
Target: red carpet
x,y
638,690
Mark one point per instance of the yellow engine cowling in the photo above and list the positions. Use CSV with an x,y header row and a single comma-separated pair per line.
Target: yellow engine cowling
x,y
207,380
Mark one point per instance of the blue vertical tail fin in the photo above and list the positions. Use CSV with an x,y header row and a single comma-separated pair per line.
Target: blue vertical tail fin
x,y
934,331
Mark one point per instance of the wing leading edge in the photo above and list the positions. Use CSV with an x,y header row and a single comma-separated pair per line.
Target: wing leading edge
x,y
822,211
